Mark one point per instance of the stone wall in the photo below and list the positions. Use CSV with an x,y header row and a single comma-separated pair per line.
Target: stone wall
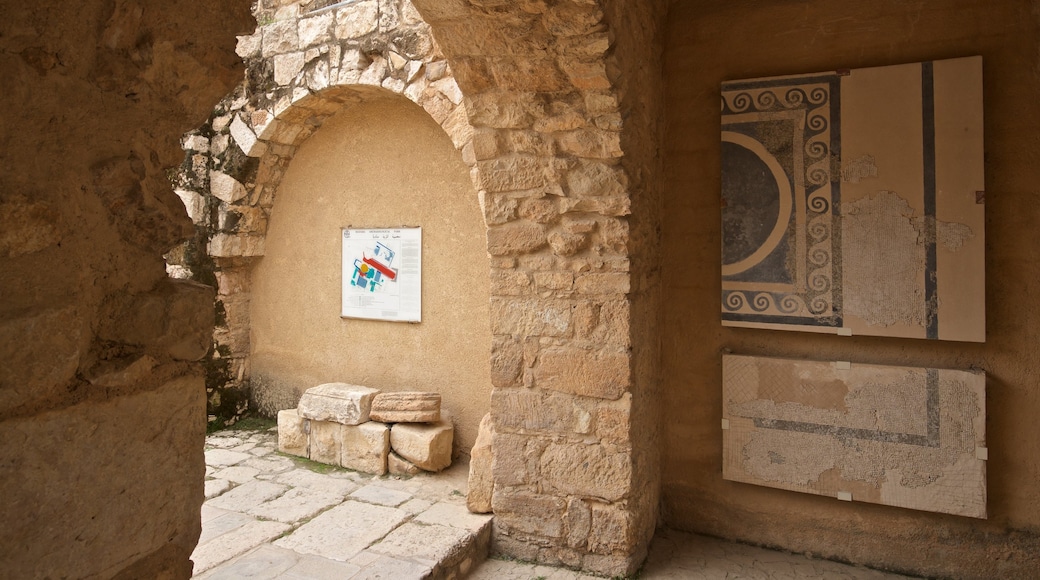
x,y
535,98
709,42
302,67
101,409
574,483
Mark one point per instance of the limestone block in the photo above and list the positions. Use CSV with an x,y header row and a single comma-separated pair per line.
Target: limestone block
x,y
315,30
530,317
589,470
193,203
516,238
398,465
427,445
603,373
365,447
337,402
530,513
610,283
249,45
406,407
280,37
224,187
357,20
241,132
567,244
325,442
286,67
591,143
292,433
596,178
481,482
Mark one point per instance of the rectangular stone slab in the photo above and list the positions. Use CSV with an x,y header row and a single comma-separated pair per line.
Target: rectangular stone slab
x,y
854,202
406,407
337,403
901,436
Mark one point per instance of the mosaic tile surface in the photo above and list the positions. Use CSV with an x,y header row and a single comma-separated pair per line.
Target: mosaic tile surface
x,y
900,436
853,202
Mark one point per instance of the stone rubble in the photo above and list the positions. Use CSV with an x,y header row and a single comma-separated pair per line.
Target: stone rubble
x,y
327,427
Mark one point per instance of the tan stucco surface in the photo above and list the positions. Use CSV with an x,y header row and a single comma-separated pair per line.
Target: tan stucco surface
x,y
709,42
382,163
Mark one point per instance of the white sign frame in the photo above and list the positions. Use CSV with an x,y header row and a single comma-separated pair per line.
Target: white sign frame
x,y
382,274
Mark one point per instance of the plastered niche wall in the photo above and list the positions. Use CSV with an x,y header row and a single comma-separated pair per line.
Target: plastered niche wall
x,y
706,44
381,163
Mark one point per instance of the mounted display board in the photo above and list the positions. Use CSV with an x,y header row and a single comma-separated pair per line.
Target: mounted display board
x,y
899,436
382,274
853,202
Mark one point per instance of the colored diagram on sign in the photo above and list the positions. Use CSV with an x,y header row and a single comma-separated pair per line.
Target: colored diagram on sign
x,y
374,268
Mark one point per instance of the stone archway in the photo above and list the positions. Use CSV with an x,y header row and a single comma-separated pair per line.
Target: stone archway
x,y
555,110
302,67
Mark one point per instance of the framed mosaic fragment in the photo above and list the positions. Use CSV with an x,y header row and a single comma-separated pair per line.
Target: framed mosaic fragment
x,y
900,436
853,202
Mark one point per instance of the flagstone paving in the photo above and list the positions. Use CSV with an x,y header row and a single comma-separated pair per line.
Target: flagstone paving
x,y
270,516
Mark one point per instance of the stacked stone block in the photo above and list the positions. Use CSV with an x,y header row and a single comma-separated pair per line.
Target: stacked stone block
x,y
333,424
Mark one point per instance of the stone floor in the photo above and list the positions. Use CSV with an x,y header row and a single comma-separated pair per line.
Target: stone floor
x,y
268,515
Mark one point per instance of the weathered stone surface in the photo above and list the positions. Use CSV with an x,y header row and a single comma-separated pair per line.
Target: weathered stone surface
x,y
286,67
365,447
567,244
356,525
235,542
529,513
225,188
325,442
516,238
378,494
406,407
295,505
603,373
316,29
224,457
611,530
481,480
530,317
586,470
292,433
398,465
428,446
430,544
248,495
279,37
357,20
450,514
337,402
532,410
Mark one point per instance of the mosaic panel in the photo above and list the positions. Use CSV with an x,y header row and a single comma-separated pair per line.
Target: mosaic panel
x,y
900,436
853,202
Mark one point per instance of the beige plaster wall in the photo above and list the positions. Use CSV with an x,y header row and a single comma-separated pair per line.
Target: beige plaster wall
x,y
709,42
378,164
